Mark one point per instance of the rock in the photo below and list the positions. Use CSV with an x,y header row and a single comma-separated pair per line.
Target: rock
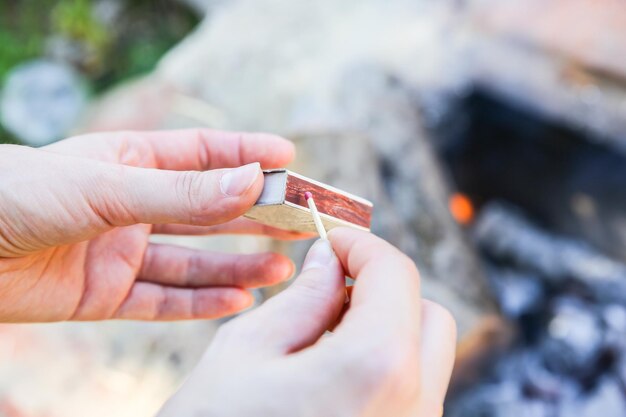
x,y
574,339
614,319
537,382
41,102
518,293
286,75
620,370
607,400
507,235
498,400
138,104
524,52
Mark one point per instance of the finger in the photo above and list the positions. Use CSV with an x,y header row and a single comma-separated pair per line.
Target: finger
x,y
218,149
240,226
147,301
184,267
137,195
189,149
344,308
298,316
88,197
386,296
438,347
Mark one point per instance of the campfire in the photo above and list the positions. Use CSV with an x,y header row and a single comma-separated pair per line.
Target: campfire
x,y
491,138
549,203
494,149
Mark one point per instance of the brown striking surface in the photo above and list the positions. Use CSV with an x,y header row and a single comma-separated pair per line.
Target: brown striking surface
x,y
328,202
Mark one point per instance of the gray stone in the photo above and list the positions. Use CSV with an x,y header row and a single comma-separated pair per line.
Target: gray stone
x,y
499,400
41,101
574,339
506,234
517,293
607,400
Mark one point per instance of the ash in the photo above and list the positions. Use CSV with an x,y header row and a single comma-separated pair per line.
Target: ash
x,y
566,301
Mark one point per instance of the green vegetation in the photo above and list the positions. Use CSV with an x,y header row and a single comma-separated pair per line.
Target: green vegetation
x,y
105,52
21,34
75,20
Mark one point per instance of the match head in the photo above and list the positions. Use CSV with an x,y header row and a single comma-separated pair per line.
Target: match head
x,y
308,195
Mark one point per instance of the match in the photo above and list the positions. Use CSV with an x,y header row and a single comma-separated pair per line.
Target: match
x,y
316,216
320,227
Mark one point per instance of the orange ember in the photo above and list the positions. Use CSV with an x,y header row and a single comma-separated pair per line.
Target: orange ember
x,y
461,208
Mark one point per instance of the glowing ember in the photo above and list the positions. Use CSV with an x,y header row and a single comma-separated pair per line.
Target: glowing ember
x,y
461,208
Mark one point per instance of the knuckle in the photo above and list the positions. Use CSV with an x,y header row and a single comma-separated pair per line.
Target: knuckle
x,y
189,188
240,145
194,267
204,151
108,195
135,150
409,269
407,263
444,317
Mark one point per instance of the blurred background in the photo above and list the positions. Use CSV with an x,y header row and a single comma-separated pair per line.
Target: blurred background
x,y
490,135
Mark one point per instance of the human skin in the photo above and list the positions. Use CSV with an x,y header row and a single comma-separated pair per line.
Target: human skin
x,y
75,218
391,353
75,222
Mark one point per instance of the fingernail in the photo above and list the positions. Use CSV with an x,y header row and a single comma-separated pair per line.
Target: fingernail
x,y
237,180
320,255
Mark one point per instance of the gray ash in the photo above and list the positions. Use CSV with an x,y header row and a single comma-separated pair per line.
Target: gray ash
x,y
551,231
567,301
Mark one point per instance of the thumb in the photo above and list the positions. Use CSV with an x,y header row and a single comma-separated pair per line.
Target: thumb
x,y
297,317
48,199
139,195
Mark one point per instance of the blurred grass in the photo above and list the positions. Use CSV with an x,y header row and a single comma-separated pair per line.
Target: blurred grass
x,y
111,53
21,32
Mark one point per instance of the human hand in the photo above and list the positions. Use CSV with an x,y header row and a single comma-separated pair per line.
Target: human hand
x,y
75,218
390,355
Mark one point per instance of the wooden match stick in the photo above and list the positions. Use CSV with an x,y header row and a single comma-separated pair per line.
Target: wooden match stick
x,y
316,216
320,228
